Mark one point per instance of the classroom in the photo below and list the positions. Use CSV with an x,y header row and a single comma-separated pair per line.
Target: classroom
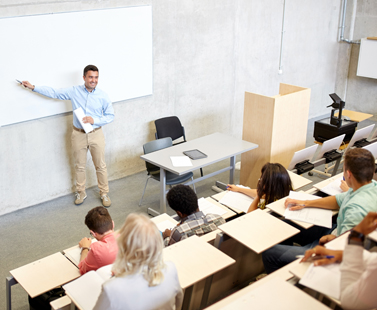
x,y
206,54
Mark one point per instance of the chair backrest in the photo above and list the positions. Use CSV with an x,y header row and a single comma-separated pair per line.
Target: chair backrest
x,y
169,127
153,146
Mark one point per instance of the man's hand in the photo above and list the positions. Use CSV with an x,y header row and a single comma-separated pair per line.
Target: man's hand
x,y
368,224
88,119
85,243
27,84
318,255
294,204
343,186
166,233
326,239
232,188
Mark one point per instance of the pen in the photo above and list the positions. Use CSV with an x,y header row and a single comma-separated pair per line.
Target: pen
x,y
19,81
317,257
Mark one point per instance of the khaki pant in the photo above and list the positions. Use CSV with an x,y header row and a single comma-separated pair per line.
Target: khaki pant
x,y
95,142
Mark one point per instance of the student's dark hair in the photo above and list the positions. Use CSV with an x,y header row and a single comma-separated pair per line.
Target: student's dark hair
x,y
90,68
274,182
99,220
183,199
360,162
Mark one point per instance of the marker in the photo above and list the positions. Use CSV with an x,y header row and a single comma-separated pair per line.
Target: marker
x,y
317,257
19,81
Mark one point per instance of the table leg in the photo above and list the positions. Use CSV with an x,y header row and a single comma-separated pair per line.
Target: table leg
x,y
162,191
9,282
206,290
233,168
187,298
335,170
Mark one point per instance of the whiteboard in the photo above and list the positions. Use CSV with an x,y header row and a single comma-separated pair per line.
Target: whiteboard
x,y
367,64
53,49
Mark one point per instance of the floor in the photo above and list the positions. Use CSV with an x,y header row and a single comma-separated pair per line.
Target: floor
x,y
50,227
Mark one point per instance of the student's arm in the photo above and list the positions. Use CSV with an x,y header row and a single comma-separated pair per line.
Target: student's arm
x,y
254,204
329,203
247,191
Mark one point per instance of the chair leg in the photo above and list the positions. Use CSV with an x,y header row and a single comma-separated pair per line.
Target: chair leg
x,y
145,187
193,184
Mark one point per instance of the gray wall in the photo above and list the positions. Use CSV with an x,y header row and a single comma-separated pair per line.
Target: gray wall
x,y
206,53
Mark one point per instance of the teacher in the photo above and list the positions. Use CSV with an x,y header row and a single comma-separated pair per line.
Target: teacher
x,y
98,111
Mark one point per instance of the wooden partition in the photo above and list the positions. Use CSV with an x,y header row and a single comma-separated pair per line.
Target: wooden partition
x,y
278,125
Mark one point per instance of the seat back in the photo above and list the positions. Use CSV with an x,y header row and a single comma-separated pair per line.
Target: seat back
x,y
154,146
169,127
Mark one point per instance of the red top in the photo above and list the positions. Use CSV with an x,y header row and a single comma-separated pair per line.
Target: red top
x,y
101,253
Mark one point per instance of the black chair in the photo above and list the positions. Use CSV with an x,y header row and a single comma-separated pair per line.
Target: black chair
x,y
154,171
171,127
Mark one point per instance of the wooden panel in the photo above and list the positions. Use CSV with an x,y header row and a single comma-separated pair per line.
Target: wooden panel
x,y
285,89
257,128
289,126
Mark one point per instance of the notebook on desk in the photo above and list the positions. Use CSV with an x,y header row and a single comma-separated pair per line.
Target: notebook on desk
x,y
195,154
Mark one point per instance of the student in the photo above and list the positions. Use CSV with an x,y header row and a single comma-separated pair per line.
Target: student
x,y
141,279
358,269
183,200
353,206
101,253
273,185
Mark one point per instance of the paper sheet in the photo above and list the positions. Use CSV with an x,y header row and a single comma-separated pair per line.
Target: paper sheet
x,y
324,279
237,200
181,161
80,115
162,226
316,216
333,188
75,254
207,207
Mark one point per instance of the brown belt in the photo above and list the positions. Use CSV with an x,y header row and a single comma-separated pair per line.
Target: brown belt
x,y
83,131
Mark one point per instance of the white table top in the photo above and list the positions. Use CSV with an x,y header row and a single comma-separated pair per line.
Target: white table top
x,y
195,260
326,182
258,230
272,294
45,274
229,213
216,146
298,181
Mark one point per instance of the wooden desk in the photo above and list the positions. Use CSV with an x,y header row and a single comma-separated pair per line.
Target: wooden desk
x,y
216,146
298,181
196,260
355,116
42,275
229,213
219,196
162,218
258,230
272,294
324,183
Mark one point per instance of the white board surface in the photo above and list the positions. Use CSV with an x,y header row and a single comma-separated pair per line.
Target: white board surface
x,y
367,64
53,49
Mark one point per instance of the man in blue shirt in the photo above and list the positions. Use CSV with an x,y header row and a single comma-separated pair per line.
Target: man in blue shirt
x,y
98,111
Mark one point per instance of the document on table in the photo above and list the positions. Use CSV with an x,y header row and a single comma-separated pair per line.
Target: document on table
x,y
323,279
237,200
181,161
316,216
162,226
85,290
74,254
207,207
80,115
333,188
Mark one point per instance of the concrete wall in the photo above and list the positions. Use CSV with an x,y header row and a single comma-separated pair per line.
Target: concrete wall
x,y
361,91
205,54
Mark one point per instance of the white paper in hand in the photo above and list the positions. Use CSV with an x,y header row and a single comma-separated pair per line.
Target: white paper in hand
x,y
80,115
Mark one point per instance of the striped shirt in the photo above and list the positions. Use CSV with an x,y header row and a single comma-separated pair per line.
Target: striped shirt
x,y
194,224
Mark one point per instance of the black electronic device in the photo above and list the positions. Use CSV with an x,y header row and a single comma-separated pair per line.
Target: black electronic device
x,y
304,166
331,156
338,104
361,143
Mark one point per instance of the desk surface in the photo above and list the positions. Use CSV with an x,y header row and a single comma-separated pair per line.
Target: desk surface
x,y
298,181
355,116
45,274
258,230
326,182
195,260
216,146
284,296
229,213
162,218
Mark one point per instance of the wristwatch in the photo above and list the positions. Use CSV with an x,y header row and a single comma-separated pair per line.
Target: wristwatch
x,y
85,248
356,238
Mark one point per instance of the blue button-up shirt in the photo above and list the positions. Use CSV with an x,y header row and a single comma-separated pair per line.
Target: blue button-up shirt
x,y
96,104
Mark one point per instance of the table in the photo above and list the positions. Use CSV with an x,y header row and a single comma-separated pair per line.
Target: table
x,y
216,146
229,213
298,181
257,230
42,275
355,116
326,182
195,260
